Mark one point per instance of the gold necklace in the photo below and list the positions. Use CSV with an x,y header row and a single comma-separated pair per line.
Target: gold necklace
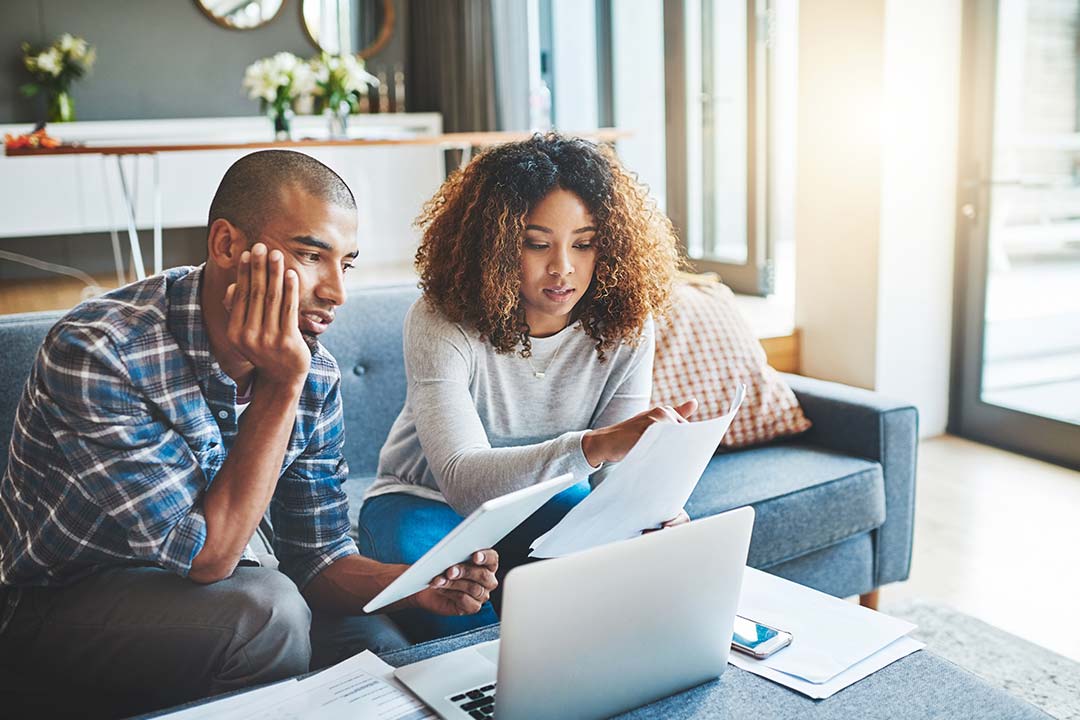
x,y
539,374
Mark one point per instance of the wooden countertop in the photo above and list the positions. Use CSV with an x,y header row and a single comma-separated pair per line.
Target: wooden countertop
x,y
469,139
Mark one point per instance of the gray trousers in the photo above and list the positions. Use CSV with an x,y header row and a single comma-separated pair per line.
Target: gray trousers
x,y
128,640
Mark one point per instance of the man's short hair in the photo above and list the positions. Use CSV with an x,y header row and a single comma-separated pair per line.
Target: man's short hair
x,y
250,191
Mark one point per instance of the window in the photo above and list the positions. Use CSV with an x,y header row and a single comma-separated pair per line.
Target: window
x,y
730,156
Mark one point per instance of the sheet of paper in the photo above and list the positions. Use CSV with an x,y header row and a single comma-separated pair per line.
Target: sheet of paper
x,y
374,665
217,708
359,688
650,485
819,691
830,634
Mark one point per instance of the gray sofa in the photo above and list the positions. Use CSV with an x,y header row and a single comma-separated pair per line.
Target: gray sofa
x,y
834,506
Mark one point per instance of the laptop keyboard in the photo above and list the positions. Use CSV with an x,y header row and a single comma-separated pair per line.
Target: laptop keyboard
x,y
478,702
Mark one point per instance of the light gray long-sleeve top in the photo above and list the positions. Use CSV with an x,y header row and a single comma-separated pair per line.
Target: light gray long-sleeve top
x,y
478,424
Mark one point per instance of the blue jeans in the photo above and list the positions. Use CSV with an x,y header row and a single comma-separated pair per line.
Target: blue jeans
x,y
400,528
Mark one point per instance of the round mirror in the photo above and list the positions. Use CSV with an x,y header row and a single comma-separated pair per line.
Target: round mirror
x,y
240,14
344,27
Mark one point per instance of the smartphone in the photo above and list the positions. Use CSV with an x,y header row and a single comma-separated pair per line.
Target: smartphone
x,y
757,640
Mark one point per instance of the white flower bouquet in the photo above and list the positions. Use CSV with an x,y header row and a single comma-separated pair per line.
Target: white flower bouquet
x,y
279,80
53,69
278,83
340,79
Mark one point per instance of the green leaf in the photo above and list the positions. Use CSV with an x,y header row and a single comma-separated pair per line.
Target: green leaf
x,y
29,90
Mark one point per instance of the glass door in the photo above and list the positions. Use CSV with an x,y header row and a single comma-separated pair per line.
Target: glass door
x,y
1018,272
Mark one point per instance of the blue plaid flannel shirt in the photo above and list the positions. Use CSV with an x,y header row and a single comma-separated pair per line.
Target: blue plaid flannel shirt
x,y
124,422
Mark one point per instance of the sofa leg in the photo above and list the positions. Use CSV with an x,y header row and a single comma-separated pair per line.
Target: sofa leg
x,y
870,599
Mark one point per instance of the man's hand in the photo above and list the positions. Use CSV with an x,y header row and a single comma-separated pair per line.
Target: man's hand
x,y
263,307
611,443
462,588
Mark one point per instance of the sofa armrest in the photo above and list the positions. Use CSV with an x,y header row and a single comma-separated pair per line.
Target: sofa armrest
x,y
866,424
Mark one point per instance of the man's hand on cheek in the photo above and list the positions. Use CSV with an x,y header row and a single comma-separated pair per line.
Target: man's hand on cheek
x,y
263,306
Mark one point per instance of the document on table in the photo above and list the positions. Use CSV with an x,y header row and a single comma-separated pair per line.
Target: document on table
x,y
834,642
829,635
819,691
648,486
359,688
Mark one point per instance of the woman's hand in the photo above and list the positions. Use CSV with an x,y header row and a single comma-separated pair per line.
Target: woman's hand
x,y
681,519
463,588
611,443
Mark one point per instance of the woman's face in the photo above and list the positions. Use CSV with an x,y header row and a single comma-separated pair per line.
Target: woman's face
x,y
557,260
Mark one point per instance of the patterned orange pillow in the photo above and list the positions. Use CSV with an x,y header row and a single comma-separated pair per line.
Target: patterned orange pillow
x,y
705,349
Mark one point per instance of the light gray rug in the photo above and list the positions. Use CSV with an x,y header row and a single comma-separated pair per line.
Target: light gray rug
x,y
1022,669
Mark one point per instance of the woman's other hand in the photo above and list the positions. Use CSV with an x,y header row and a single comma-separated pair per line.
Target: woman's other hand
x,y
681,519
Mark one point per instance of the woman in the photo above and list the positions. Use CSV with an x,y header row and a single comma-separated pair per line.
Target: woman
x,y
530,353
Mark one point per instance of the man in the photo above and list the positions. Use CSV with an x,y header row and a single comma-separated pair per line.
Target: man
x,y
161,425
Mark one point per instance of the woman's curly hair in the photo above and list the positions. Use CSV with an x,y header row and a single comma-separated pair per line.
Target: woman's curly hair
x,y
469,259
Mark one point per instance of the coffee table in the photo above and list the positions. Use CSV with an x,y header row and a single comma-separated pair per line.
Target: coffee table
x,y
917,687
921,685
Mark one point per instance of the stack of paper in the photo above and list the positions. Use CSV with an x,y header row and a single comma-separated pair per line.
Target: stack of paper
x,y
358,688
648,486
835,643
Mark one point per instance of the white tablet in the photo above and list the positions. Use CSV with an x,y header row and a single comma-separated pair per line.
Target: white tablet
x,y
487,525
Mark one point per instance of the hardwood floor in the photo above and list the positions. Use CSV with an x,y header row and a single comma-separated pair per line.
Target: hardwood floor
x,y
997,536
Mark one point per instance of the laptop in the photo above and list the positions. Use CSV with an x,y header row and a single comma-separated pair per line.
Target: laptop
x,y
596,633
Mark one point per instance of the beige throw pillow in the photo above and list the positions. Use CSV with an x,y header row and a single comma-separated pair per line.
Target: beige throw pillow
x,y
705,349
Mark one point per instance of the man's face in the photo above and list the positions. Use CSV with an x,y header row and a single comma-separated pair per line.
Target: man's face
x,y
318,240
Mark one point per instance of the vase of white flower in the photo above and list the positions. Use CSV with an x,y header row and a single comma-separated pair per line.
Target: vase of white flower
x,y
339,80
54,69
60,107
277,83
338,119
282,119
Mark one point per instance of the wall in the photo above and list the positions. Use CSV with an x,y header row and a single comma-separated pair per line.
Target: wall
x,y
877,134
838,187
915,277
156,58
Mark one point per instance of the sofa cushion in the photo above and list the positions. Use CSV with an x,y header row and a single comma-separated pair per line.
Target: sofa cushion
x,y
355,487
705,349
806,498
366,341
22,336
